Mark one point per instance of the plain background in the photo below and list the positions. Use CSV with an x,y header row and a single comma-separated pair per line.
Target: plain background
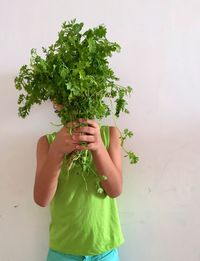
x,y
160,204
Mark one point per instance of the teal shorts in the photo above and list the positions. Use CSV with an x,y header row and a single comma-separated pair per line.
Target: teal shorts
x,y
111,255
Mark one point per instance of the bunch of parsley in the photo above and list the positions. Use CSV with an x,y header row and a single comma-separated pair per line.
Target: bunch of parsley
x,y
75,72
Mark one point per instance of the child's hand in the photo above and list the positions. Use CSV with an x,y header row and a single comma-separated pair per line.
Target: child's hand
x,y
90,134
63,142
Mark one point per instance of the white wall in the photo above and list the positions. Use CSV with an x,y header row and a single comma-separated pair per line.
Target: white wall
x,y
160,204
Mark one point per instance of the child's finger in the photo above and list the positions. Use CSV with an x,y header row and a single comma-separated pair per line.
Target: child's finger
x,y
86,130
72,124
78,137
92,123
80,147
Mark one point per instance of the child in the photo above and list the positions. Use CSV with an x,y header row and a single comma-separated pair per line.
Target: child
x,y
84,224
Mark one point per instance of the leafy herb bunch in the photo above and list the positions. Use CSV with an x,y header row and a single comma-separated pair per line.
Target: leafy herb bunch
x,y
75,73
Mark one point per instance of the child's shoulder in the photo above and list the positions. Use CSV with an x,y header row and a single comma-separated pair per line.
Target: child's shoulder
x,y
113,129
42,144
46,138
113,132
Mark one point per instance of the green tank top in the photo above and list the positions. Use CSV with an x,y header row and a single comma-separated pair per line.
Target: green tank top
x,y
83,222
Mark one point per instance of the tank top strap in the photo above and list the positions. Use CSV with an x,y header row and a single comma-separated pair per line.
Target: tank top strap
x,y
51,137
105,134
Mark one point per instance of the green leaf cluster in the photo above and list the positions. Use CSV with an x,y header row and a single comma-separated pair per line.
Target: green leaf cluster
x,y
75,72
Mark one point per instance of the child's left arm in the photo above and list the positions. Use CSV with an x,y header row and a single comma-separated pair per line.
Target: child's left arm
x,y
107,162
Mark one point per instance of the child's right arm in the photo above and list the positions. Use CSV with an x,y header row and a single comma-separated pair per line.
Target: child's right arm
x,y
49,162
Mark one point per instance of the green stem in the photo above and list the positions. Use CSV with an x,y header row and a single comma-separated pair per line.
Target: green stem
x,y
84,180
55,124
116,124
